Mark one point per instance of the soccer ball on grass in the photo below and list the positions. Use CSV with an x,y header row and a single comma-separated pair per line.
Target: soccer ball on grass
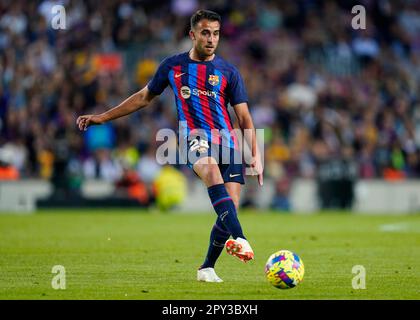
x,y
284,269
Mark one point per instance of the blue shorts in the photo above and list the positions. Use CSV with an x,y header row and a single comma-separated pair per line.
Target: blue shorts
x,y
229,160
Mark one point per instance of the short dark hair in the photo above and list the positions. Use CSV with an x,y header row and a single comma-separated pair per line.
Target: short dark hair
x,y
204,14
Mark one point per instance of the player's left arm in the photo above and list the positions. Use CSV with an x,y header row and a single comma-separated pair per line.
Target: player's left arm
x,y
247,126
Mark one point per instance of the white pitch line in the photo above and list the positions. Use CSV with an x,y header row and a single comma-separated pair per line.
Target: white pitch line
x,y
394,227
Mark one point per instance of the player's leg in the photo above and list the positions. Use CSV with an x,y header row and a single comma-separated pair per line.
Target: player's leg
x,y
218,237
234,190
208,170
199,158
239,247
227,222
233,175
225,204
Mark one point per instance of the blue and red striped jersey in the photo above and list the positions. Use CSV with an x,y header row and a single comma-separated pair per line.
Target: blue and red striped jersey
x,y
202,90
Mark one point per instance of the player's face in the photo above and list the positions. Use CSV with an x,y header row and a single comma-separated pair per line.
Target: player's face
x,y
205,37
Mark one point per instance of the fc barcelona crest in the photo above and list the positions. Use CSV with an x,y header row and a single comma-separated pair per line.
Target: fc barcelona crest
x,y
213,80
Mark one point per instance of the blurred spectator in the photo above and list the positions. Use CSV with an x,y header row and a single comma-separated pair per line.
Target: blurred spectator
x,y
102,166
281,198
184,7
336,176
7,171
147,167
131,186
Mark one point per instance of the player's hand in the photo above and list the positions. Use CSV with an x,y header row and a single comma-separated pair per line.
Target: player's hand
x,y
257,167
88,120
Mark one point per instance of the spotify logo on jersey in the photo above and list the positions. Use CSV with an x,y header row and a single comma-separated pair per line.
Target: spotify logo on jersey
x,y
185,92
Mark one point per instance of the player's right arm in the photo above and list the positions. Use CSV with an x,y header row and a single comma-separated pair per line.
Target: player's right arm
x,y
133,103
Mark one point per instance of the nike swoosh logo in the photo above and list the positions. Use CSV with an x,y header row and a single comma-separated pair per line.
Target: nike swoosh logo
x,y
234,175
179,74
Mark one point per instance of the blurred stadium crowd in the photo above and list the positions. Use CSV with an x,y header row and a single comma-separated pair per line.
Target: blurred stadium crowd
x,y
319,88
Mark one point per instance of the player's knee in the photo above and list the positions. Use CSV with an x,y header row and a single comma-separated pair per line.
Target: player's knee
x,y
208,170
209,173
213,175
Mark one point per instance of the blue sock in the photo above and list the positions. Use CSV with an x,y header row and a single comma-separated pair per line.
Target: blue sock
x,y
225,209
218,236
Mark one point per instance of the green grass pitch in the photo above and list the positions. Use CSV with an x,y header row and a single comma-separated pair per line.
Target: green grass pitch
x,y
126,254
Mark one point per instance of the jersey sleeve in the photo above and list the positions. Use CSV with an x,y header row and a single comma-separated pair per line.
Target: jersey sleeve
x,y
160,80
237,90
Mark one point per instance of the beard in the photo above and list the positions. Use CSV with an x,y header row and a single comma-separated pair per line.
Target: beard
x,y
206,52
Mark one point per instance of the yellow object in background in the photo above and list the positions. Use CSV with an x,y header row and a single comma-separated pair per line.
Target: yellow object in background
x,y
170,187
145,70
46,162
